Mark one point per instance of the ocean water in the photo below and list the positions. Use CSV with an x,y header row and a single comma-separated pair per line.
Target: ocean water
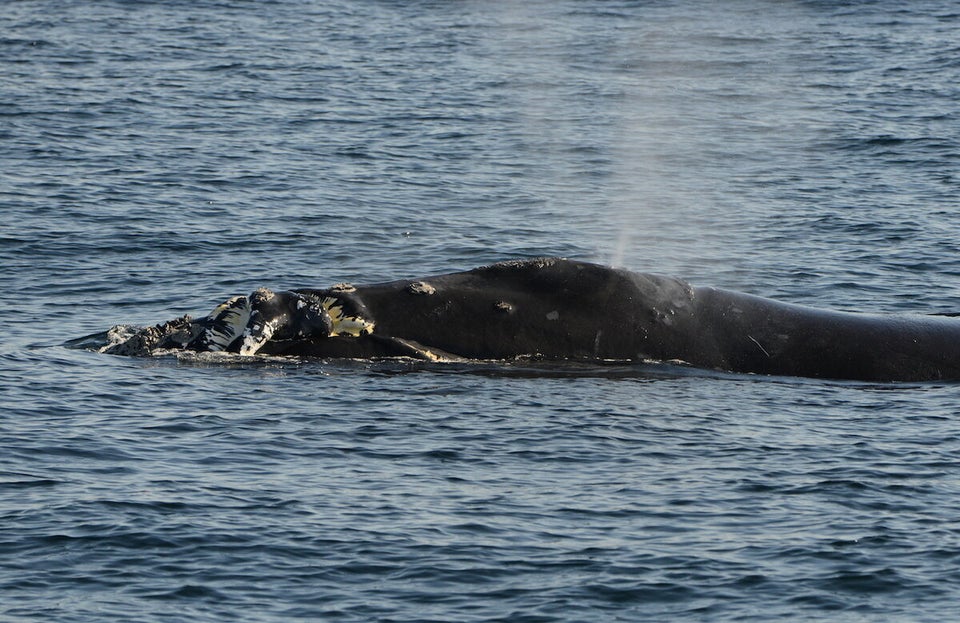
x,y
158,157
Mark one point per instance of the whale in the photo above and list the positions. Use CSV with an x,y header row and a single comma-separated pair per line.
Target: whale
x,y
555,309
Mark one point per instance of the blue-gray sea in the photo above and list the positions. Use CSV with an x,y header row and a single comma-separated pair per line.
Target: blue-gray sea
x,y
158,157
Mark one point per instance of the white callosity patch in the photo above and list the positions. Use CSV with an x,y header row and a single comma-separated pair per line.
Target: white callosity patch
x,y
259,329
257,334
226,323
118,335
343,324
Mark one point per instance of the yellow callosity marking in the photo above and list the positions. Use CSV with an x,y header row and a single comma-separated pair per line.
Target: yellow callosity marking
x,y
343,324
430,356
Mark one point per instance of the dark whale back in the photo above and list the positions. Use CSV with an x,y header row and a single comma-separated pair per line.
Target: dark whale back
x,y
562,309
551,308
753,334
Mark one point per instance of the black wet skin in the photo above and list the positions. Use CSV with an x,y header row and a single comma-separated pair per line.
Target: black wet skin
x,y
557,309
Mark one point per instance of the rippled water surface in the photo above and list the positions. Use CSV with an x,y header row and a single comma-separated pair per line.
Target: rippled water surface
x,y
158,157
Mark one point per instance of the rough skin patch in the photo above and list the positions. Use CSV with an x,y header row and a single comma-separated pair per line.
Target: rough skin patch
x,y
142,341
536,263
421,287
